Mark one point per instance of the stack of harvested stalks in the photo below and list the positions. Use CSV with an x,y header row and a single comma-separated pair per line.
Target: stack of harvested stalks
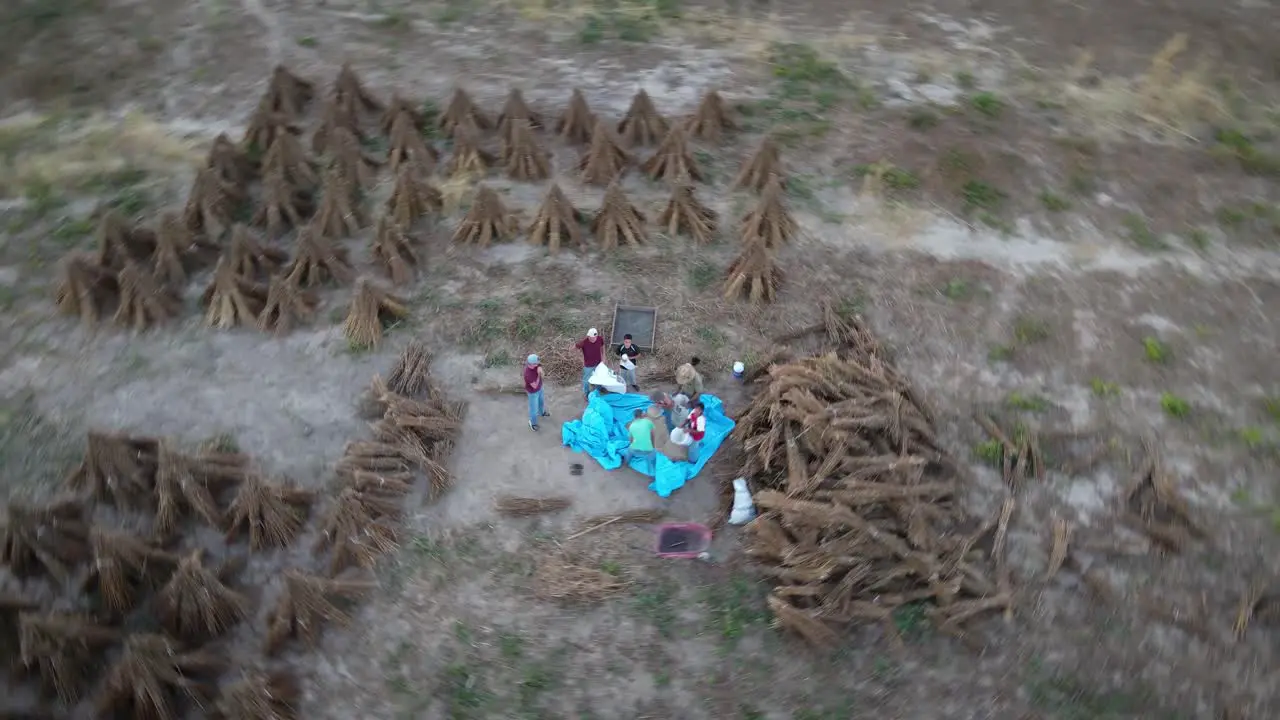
x,y
416,432
856,494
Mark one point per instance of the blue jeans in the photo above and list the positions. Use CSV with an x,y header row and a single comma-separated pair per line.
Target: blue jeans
x,y
586,374
649,456
668,419
536,406
629,377
694,448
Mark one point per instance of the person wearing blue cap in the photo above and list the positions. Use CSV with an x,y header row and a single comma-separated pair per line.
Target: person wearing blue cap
x,y
533,388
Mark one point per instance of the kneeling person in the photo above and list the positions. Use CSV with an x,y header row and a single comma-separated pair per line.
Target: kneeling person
x,y
644,439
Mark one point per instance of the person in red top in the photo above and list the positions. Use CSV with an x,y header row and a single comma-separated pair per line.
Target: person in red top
x,y
533,388
697,427
592,347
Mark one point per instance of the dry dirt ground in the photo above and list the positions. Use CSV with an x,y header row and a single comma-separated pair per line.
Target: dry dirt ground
x,y
1055,211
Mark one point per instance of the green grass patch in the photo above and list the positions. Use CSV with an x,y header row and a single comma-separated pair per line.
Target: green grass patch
x,y
979,195
1104,389
1029,330
1252,160
1156,351
1054,202
1138,232
1174,406
987,104
1027,402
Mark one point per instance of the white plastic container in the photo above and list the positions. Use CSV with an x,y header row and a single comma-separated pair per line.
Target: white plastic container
x,y
739,370
744,510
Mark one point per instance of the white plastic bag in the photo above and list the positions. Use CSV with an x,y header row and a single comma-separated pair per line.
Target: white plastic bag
x,y
743,508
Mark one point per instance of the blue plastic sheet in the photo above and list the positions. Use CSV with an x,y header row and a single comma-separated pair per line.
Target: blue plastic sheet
x,y
602,434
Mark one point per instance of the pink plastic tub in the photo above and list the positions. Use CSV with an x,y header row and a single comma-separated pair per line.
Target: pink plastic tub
x,y
682,540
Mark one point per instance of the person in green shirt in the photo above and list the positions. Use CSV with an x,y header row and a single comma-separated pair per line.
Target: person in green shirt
x,y
644,439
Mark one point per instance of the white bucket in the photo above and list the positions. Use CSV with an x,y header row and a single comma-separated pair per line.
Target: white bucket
x,y
738,370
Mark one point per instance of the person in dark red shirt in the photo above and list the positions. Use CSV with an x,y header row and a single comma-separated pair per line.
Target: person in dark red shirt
x,y
533,388
592,347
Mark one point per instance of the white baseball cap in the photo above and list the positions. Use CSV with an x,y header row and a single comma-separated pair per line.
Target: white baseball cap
x,y
593,332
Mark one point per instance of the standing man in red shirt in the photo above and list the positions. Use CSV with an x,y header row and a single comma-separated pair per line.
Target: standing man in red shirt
x,y
592,348
533,388
697,425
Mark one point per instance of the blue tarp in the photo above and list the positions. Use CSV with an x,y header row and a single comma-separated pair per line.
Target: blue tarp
x,y
602,434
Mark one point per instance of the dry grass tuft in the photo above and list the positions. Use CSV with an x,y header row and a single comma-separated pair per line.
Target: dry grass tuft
x,y
309,602
359,528
769,223
287,305
468,157
260,695
372,309
413,196
642,125
410,376
189,485
195,605
576,122
124,567
145,301
618,222
287,161
560,578
319,259
513,506
558,222
232,299
487,221
85,288
763,164
341,213
393,250
77,153
1166,98
272,514
178,251
673,161
684,214
349,93
711,121
605,160
64,648
153,675
754,275
462,111
407,145
45,539
526,161
120,242
250,258
211,203
283,206
348,156
117,469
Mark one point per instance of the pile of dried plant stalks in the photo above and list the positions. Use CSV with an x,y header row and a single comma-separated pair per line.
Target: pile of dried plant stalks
x,y
414,435
856,496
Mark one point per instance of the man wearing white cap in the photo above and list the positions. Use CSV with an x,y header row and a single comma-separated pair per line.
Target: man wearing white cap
x,y
533,388
592,348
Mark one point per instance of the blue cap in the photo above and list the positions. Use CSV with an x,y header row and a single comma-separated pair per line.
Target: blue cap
x,y
532,360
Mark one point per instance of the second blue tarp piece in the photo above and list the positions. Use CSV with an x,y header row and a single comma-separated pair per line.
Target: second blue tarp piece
x,y
602,434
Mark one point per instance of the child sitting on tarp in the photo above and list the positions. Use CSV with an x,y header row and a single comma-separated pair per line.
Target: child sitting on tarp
x,y
644,440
